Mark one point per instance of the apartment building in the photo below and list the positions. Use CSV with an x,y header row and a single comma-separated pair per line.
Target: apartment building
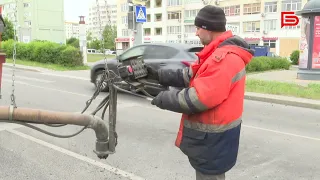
x,y
258,22
37,19
72,29
93,24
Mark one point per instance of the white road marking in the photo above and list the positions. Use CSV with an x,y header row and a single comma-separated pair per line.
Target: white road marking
x,y
66,76
51,89
28,78
283,133
16,81
5,126
78,156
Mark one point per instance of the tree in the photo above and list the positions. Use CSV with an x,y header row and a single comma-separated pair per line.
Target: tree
x,y
89,36
95,44
9,30
73,42
109,34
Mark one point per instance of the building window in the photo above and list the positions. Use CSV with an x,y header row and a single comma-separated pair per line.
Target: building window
x,y
254,8
124,7
147,31
148,18
232,10
27,23
148,4
251,26
158,3
270,25
174,2
174,29
291,5
270,43
157,17
174,15
270,7
26,5
158,31
191,13
189,29
124,19
125,32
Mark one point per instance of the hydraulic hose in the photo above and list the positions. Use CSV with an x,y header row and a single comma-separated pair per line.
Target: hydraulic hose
x,y
28,115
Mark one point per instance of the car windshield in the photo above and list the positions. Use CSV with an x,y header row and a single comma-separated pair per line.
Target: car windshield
x,y
192,52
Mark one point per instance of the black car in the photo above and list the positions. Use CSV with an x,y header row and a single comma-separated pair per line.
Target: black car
x,y
157,55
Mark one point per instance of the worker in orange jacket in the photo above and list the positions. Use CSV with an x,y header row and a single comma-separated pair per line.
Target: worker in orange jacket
x,y
212,98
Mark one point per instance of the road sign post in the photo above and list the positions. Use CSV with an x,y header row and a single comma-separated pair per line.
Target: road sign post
x,y
140,17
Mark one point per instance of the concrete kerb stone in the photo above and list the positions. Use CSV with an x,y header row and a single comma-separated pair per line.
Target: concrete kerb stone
x,y
22,68
284,100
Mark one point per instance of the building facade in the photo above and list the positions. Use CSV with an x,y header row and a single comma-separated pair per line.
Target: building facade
x,y
72,29
93,24
37,19
259,22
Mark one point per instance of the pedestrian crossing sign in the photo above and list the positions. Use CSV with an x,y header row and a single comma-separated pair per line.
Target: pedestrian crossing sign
x,y
141,14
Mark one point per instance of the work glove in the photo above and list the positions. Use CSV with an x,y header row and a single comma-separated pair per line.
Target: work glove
x,y
157,101
152,73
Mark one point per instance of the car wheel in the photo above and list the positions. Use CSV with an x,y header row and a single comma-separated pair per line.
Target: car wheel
x,y
104,86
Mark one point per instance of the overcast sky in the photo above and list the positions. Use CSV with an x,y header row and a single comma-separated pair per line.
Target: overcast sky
x,y
72,13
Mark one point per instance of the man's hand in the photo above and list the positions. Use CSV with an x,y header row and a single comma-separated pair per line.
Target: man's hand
x,y
157,101
152,73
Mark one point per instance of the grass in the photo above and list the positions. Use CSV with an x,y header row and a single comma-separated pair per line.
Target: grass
x,y
97,57
312,91
47,66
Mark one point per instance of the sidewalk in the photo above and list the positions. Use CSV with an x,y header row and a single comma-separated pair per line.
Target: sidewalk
x,y
282,76
288,76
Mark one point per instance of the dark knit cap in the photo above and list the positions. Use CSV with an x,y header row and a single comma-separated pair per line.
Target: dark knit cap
x,y
211,18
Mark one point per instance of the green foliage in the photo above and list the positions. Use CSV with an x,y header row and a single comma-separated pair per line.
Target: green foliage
x,y
294,57
264,63
109,34
45,52
94,44
73,42
8,31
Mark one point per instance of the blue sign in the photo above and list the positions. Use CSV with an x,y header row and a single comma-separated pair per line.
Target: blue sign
x,y
141,14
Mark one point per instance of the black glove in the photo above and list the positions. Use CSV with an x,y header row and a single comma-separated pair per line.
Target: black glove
x,y
157,101
152,73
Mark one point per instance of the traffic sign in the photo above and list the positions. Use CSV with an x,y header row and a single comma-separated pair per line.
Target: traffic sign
x,y
141,14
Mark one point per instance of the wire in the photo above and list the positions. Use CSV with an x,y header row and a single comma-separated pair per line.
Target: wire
x,y
104,103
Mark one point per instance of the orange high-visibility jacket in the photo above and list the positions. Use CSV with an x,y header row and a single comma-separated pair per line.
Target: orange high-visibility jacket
x,y
211,103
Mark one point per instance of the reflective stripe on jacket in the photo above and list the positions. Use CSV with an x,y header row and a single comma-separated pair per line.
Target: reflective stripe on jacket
x,y
212,105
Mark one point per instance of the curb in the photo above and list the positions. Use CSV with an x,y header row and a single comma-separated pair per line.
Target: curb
x,y
22,68
284,100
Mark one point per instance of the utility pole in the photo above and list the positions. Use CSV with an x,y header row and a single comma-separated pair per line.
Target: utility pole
x,y
137,15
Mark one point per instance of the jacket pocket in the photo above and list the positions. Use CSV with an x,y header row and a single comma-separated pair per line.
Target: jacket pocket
x,y
194,145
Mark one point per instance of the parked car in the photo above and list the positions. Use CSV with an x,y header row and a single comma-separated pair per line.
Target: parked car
x,y
157,55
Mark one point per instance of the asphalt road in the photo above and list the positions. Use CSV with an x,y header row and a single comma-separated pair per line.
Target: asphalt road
x,y
277,142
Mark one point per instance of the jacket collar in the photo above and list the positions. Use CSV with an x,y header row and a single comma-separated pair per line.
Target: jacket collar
x,y
210,48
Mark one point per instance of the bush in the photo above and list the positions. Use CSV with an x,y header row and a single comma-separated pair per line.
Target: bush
x,y
264,63
45,52
294,57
